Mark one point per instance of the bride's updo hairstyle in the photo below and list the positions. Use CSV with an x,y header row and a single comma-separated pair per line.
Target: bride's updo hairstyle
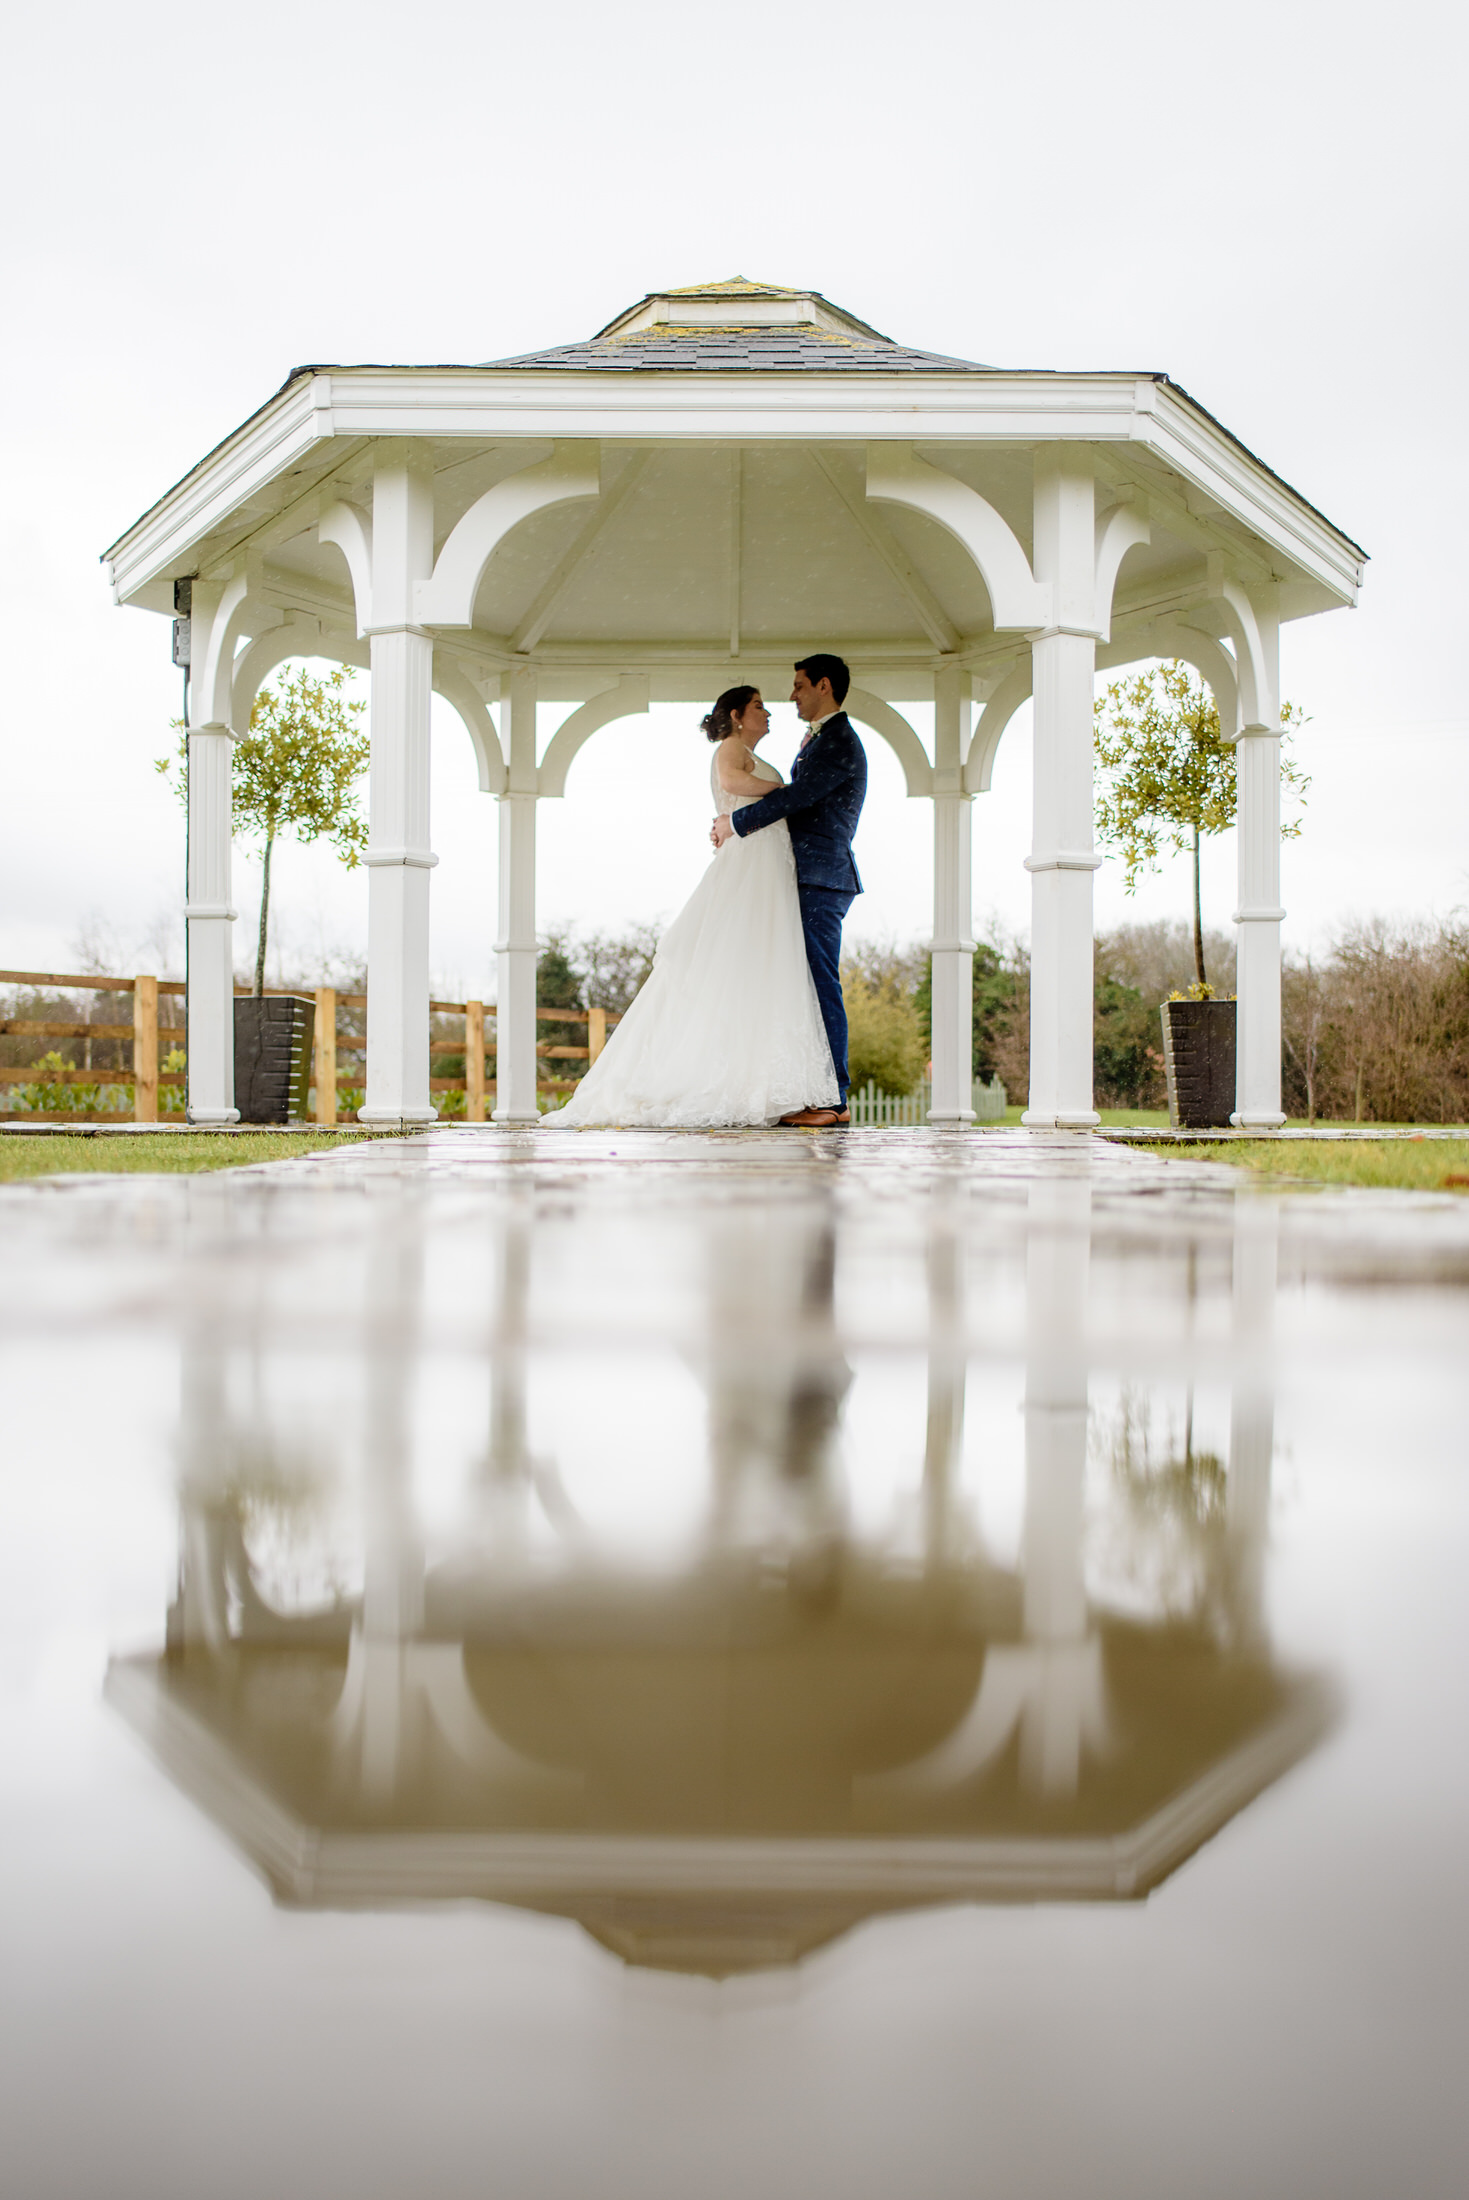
x,y
732,704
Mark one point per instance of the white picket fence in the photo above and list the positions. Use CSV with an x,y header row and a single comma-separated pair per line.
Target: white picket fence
x,y
990,1102
874,1107
870,1106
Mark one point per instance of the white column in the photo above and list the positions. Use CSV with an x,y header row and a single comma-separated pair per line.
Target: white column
x,y
199,1618
208,909
509,1471
1257,1064
211,916
515,1008
399,858
1252,1407
1062,860
1057,1274
392,1587
953,909
1064,1702
948,1368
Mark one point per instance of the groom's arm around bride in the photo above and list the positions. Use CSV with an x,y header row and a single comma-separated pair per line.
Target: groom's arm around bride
x,y
828,784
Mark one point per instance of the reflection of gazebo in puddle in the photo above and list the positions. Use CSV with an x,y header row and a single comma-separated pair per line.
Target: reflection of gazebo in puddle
x,y
721,1804
724,1766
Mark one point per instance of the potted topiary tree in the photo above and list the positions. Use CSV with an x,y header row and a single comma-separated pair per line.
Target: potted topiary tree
x,y
295,774
1167,779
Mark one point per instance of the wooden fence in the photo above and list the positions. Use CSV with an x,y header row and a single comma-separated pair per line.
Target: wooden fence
x,y
145,1077
153,1086
478,1082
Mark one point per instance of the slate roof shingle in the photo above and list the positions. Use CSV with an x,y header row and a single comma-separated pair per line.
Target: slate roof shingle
x,y
790,348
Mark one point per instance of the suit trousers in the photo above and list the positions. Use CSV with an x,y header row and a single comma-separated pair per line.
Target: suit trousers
x,y
822,911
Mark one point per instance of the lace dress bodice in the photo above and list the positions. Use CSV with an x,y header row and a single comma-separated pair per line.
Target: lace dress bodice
x,y
724,803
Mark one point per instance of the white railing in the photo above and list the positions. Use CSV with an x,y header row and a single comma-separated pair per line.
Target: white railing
x,y
869,1106
990,1102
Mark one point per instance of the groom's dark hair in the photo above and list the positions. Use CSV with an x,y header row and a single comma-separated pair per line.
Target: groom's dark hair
x,y
824,667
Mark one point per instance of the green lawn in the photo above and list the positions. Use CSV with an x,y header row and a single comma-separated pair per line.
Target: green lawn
x,y
1154,1118
1394,1164
155,1153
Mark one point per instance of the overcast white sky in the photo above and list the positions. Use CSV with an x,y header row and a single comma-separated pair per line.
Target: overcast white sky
x,y
1266,201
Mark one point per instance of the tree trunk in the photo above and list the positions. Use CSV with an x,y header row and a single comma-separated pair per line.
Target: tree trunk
x,y
1199,971
264,920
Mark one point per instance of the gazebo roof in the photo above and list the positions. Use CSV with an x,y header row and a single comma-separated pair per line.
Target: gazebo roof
x,y
731,429
741,326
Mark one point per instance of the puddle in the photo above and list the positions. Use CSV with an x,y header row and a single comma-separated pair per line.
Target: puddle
x,y
661,1664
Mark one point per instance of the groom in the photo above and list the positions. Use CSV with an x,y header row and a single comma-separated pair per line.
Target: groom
x,y
823,803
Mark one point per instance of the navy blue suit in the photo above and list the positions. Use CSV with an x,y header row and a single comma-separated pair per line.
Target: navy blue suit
x,y
822,804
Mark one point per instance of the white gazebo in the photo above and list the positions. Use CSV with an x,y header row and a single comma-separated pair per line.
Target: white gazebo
x,y
720,481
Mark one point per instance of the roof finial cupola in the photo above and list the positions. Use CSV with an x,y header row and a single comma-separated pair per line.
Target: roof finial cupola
x,y
739,324
738,304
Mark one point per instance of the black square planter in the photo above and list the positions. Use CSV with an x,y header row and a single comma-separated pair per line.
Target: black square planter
x,y
273,1056
1198,1059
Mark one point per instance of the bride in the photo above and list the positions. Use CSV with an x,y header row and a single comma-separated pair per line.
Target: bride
x,y
727,1029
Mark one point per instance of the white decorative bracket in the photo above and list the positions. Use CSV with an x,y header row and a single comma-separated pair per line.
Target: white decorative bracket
x,y
213,670
1013,691
1122,529
351,531
1209,658
454,684
1056,1689
1255,652
628,699
297,634
871,710
571,474
896,476
1163,638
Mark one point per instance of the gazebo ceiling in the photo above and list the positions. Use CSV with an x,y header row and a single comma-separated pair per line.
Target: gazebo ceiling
x,y
730,425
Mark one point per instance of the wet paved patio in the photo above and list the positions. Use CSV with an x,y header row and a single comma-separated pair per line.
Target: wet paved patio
x,y
666,1664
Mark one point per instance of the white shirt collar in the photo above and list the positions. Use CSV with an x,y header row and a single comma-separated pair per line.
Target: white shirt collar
x,y
816,724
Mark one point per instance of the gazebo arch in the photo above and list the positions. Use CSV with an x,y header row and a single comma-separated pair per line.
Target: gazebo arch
x,y
1168,638
628,699
720,480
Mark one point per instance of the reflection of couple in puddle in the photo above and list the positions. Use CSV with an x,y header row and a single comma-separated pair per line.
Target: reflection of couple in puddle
x,y
725,1763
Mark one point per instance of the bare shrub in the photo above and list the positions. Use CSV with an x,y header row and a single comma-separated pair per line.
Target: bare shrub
x,y
1157,959
612,966
1377,1031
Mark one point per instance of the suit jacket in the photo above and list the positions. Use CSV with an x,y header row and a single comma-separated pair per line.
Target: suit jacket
x,y
822,804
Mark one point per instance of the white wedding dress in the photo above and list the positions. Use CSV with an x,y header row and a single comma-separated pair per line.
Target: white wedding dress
x,y
727,1029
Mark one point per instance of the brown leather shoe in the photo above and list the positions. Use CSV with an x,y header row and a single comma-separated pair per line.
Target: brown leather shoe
x,y
817,1119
